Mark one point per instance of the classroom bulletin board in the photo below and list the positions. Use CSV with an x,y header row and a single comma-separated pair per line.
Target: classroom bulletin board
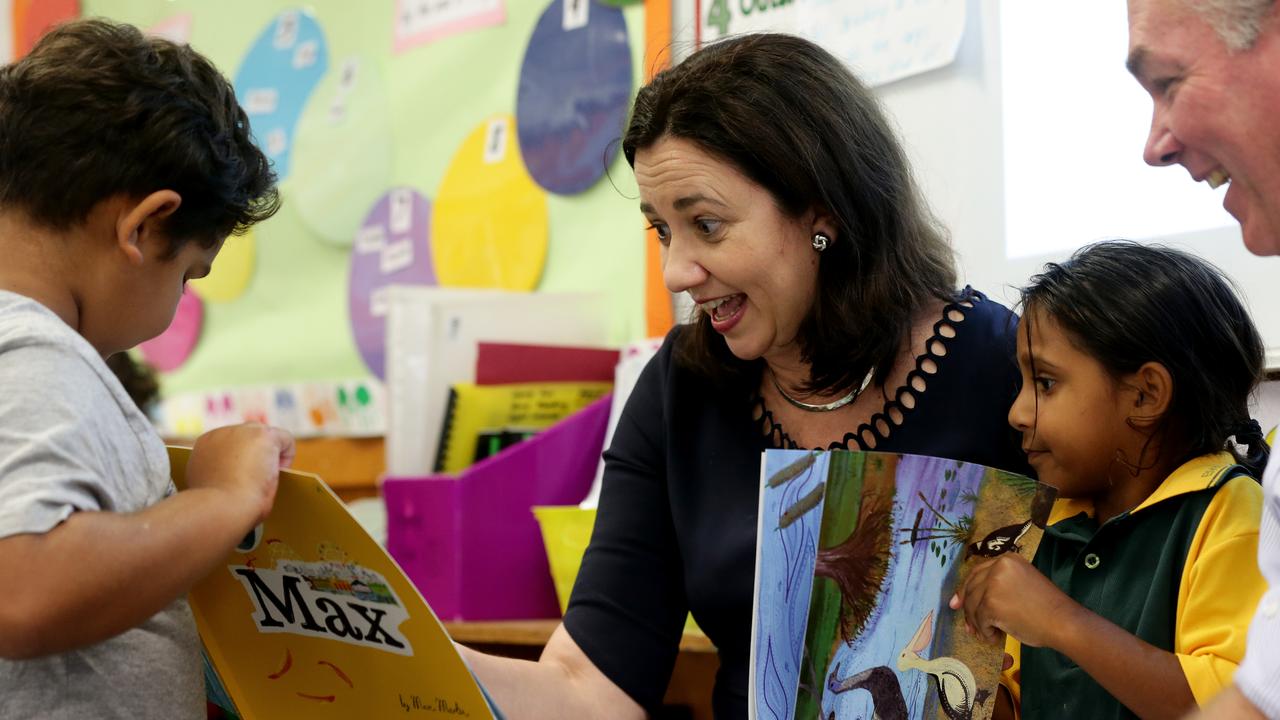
x,y
418,141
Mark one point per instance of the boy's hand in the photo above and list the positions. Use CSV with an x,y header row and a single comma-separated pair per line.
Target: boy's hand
x,y
1008,594
243,460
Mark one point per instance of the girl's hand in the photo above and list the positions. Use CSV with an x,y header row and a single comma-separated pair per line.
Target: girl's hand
x,y
1008,594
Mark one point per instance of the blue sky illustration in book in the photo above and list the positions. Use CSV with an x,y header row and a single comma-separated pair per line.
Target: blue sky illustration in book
x,y
858,555
784,578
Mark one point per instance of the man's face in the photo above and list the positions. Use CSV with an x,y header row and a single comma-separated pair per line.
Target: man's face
x,y
1217,111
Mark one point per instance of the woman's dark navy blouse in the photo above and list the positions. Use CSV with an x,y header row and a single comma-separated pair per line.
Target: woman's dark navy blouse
x,y
676,529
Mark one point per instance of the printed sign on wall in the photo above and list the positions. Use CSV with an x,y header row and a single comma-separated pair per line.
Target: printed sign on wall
x,y
421,21
881,40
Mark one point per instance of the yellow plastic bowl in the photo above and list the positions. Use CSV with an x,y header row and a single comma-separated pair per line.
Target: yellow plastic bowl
x,y
566,530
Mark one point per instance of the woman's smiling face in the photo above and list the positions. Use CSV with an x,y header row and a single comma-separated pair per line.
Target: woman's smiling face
x,y
726,242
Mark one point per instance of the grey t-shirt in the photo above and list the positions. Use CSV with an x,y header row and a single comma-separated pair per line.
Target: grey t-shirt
x,y
71,440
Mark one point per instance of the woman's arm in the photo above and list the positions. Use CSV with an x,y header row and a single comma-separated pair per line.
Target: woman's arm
x,y
563,683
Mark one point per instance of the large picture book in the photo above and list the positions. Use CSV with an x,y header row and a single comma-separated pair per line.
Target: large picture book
x,y
857,559
310,618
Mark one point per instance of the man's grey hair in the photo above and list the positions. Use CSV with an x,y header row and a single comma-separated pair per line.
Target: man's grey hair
x,y
1237,22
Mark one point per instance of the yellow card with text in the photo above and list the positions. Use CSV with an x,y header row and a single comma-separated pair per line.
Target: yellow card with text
x,y
310,618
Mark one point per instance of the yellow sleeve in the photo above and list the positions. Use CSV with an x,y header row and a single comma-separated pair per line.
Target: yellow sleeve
x,y
1220,589
1012,678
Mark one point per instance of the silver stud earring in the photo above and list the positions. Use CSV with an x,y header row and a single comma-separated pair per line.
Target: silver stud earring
x,y
821,241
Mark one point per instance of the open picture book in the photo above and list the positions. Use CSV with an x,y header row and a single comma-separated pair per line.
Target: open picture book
x,y
857,559
310,618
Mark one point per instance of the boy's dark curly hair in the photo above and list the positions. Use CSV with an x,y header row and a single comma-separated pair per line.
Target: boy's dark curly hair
x,y
97,109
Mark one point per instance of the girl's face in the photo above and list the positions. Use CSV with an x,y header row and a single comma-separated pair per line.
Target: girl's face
x,y
1071,412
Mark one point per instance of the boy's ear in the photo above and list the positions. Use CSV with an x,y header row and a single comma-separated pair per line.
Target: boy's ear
x,y
1152,392
140,222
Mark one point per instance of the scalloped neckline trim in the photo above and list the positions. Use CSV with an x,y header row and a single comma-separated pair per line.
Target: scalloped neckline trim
x,y
916,385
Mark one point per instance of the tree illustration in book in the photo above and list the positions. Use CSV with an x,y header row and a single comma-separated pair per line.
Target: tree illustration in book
x,y
858,556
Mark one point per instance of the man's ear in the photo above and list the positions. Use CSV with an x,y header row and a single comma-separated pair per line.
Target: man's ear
x,y
1151,390
141,221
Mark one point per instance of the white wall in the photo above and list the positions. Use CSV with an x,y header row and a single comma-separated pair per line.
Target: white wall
x,y
1266,406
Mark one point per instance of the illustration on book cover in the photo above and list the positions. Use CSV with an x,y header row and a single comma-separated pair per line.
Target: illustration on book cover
x,y
858,556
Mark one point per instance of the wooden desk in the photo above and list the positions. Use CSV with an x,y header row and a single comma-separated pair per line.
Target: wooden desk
x,y
350,466
688,695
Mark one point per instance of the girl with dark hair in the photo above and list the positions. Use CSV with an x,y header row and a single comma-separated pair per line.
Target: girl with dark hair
x,y
826,316
1137,365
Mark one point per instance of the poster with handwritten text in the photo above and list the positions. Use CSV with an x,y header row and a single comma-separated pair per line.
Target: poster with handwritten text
x,y
418,22
881,40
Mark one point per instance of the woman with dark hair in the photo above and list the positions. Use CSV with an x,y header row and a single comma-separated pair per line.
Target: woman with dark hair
x,y
826,316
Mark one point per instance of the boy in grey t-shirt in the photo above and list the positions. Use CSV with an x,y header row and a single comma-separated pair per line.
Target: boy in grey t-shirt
x,y
125,161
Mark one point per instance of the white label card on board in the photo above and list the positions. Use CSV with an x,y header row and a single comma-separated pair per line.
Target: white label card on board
x,y
286,30
277,141
379,302
495,140
337,111
304,56
347,80
401,211
261,101
396,256
576,14
370,239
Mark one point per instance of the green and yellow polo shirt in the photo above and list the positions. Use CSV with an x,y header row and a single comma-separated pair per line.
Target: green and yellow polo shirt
x,y
1179,571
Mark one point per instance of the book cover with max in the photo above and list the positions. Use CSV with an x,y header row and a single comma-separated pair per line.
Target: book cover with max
x,y
309,617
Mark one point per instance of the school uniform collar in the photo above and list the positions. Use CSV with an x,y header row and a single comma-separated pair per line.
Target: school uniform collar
x,y
1199,473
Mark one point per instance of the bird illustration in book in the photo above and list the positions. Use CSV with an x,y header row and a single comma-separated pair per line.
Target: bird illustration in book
x,y
1009,537
954,681
881,682
1000,541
